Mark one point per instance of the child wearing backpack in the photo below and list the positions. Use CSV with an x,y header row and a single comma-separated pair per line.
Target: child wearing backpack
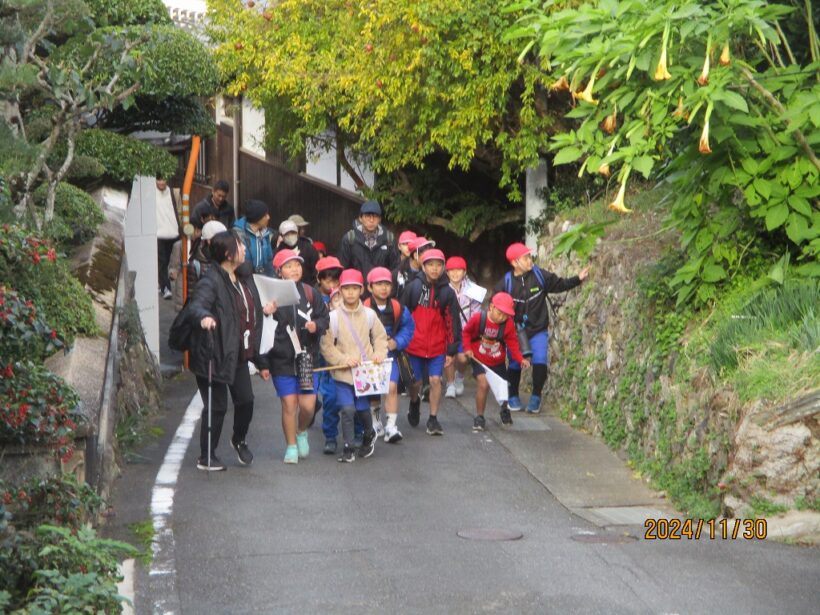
x,y
488,336
399,325
303,325
529,286
465,290
355,335
435,342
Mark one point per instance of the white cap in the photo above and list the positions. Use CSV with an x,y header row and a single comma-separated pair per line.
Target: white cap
x,y
211,228
288,226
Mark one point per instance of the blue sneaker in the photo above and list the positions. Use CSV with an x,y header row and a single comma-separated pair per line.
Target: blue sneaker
x,y
302,445
534,407
292,454
514,404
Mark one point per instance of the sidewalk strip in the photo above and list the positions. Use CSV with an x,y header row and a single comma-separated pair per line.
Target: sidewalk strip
x,y
162,574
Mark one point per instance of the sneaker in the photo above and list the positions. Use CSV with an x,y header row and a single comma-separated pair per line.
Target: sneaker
x,y
479,423
450,393
392,434
215,466
167,294
434,427
514,404
302,445
243,452
413,415
459,385
378,426
292,454
330,447
358,440
534,406
506,418
425,393
368,445
348,455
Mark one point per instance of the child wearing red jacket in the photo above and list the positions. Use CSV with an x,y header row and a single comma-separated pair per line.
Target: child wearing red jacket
x,y
488,335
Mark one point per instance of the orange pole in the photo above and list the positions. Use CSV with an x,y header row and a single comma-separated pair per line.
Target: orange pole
x,y
186,218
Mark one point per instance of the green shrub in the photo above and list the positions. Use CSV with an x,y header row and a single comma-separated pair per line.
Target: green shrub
x,y
55,500
84,169
76,214
128,12
23,333
124,157
45,279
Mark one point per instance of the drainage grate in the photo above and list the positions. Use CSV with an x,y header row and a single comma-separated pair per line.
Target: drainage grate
x,y
606,539
489,533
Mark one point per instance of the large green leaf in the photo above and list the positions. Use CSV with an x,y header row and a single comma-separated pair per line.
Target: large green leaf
x,y
567,155
776,216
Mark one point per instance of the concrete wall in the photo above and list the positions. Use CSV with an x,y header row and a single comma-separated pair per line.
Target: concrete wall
x,y
141,252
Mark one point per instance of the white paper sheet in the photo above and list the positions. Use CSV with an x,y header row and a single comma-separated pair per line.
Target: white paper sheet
x,y
476,292
283,292
498,385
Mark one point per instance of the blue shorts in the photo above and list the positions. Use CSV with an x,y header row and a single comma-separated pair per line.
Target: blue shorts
x,y
433,366
540,350
289,385
461,346
394,369
346,397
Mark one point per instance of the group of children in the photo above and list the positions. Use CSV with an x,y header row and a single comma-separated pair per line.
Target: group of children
x,y
434,325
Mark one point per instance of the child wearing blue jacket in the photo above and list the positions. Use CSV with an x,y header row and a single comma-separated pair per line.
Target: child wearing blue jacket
x,y
400,326
254,232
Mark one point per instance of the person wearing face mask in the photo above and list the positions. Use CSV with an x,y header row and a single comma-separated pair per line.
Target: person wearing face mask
x,y
291,240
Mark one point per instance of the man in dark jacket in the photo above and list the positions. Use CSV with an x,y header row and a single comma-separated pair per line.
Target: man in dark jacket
x,y
368,244
214,207
529,287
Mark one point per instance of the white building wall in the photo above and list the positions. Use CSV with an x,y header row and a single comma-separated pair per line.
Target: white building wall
x,y
253,128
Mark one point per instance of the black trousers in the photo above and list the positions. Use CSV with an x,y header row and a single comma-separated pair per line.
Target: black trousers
x,y
164,247
242,397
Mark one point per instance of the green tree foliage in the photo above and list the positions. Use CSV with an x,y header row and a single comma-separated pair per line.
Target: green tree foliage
x,y
128,12
406,83
123,157
713,98
76,214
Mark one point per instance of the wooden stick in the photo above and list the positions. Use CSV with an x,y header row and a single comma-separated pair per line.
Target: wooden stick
x,y
330,368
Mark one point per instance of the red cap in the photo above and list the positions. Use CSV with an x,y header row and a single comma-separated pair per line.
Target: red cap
x,y
351,277
517,250
407,237
432,255
327,262
419,242
456,262
379,274
320,247
504,303
283,256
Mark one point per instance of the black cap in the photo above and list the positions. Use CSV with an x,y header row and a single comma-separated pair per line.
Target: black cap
x,y
255,210
370,207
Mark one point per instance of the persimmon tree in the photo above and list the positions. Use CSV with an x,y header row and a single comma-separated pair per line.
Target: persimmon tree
x,y
406,84
714,98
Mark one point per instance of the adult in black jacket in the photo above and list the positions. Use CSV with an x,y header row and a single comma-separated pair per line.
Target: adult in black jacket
x,y
215,206
308,321
226,315
368,244
529,287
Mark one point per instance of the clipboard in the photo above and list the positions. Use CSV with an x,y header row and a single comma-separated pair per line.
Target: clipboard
x,y
282,292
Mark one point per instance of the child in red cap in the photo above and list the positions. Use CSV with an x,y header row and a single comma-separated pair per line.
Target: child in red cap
x,y
467,292
307,322
529,286
488,336
355,335
400,327
410,267
435,343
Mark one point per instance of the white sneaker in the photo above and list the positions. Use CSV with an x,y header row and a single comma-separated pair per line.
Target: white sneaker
x,y
167,294
252,369
451,391
378,427
392,434
459,384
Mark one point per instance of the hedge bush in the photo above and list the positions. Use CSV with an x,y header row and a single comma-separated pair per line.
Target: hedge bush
x,y
124,157
128,12
76,214
23,332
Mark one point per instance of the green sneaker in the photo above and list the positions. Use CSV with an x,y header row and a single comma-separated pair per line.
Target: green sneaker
x,y
302,444
292,454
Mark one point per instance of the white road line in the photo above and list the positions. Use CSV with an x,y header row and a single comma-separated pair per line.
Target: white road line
x,y
163,563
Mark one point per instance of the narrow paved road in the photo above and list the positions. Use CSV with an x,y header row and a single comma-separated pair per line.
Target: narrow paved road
x,y
380,536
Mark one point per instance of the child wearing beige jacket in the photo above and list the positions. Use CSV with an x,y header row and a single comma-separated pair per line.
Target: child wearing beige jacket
x,y
355,335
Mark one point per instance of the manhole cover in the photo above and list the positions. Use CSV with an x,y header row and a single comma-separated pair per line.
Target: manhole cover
x,y
489,533
607,539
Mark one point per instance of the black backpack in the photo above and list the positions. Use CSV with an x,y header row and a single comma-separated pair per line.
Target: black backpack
x,y
179,336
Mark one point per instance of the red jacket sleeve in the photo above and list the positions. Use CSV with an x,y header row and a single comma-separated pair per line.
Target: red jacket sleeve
x,y
471,332
511,340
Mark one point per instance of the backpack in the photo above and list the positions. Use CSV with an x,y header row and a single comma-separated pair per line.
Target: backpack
x,y
334,321
482,324
181,331
351,237
395,305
